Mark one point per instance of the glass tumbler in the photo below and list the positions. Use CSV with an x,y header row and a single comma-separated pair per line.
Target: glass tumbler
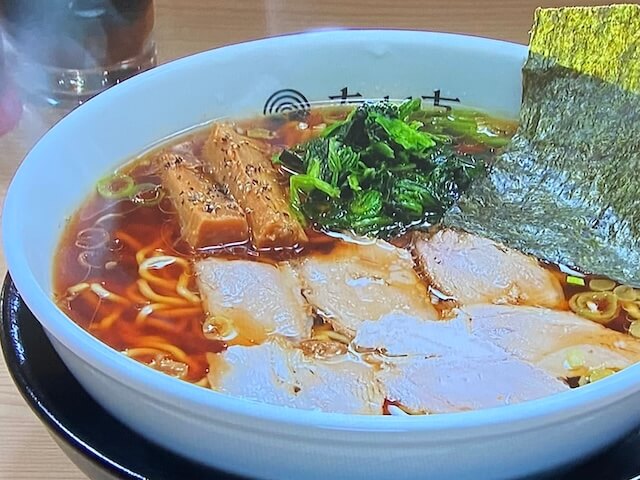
x,y
63,52
10,106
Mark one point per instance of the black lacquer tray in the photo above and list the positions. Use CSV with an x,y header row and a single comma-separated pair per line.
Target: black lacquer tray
x,y
104,448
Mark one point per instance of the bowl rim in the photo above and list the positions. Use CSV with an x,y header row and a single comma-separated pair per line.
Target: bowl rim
x,y
146,381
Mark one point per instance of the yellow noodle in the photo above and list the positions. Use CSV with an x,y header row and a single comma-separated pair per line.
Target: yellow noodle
x,y
166,325
179,312
77,288
148,292
183,289
158,262
157,281
138,352
152,338
105,294
182,285
110,319
148,310
142,253
134,294
175,352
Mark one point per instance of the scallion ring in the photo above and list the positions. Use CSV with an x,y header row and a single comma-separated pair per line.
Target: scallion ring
x,y
625,293
146,194
633,309
116,186
601,284
601,307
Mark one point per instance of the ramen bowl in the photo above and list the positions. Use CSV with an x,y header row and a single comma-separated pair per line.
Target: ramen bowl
x,y
247,437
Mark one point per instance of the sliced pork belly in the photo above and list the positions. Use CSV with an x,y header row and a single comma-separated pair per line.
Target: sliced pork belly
x,y
246,301
354,283
439,366
450,384
560,342
242,165
399,334
277,373
473,269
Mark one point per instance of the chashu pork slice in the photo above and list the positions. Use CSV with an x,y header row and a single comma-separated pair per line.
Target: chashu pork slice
x,y
246,301
399,334
357,282
560,342
473,269
278,373
440,366
450,384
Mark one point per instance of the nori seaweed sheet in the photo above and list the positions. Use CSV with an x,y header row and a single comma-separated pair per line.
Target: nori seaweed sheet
x,y
567,187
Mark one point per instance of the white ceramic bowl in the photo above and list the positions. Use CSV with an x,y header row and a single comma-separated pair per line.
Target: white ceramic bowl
x,y
252,438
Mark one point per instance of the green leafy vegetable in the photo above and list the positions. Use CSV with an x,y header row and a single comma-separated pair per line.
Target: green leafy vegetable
x,y
366,204
409,107
405,134
468,125
308,182
379,171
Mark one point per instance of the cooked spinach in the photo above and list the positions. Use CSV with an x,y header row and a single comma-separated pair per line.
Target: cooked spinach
x,y
379,171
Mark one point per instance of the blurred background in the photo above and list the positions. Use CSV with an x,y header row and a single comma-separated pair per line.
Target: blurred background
x,y
65,51
183,27
181,30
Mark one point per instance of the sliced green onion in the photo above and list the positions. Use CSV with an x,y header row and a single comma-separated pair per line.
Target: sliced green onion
x,y
575,359
147,194
634,328
601,307
633,309
625,292
116,186
571,280
601,284
596,374
600,373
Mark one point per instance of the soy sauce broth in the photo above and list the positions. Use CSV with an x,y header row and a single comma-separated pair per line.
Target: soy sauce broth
x,y
104,236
